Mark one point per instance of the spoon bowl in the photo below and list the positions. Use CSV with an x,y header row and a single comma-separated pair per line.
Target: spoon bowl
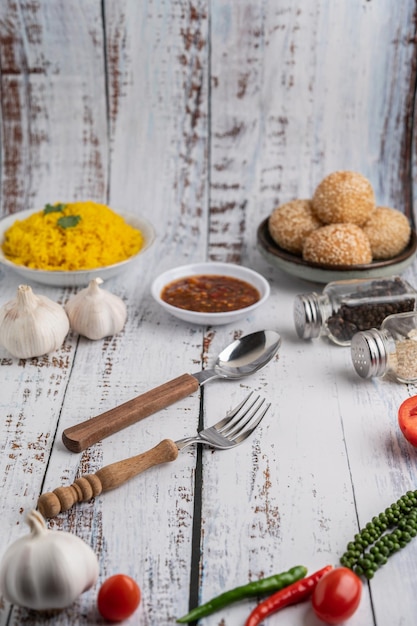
x,y
243,357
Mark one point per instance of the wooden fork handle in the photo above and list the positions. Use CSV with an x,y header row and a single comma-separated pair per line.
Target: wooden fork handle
x,y
79,437
106,478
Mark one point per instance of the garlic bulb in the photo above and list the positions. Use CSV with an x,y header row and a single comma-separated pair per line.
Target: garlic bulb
x,y
96,313
47,569
32,325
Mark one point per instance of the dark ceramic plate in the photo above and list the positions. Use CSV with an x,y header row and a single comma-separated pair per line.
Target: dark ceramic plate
x,y
296,266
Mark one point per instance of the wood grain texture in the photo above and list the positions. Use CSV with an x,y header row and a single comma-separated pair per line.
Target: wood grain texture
x,y
203,116
85,434
89,486
45,83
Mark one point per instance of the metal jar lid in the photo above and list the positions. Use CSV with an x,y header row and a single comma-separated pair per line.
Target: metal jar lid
x,y
307,316
369,354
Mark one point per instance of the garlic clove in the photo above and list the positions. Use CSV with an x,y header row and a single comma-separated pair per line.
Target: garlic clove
x,y
96,313
47,569
32,325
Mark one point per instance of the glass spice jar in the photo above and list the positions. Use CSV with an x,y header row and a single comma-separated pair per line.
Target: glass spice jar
x,y
348,306
388,351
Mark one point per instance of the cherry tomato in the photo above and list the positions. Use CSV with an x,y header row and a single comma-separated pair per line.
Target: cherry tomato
x,y
337,595
118,598
407,419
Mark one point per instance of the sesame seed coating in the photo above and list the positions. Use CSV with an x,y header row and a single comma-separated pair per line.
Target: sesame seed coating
x,y
290,223
344,197
388,231
337,244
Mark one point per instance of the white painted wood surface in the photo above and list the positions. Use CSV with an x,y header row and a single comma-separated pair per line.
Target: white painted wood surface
x,y
203,116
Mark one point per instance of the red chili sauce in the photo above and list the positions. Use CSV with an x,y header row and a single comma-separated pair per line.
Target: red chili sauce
x,y
210,293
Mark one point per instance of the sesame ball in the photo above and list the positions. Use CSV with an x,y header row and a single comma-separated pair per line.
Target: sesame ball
x,y
337,244
344,197
290,223
388,231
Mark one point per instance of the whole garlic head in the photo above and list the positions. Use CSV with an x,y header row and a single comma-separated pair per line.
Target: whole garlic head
x,y
32,325
47,569
96,313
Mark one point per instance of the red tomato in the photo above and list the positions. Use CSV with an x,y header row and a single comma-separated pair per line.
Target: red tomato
x,y
118,597
337,595
407,419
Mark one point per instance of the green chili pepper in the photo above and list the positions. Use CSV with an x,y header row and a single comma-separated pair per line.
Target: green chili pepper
x,y
255,588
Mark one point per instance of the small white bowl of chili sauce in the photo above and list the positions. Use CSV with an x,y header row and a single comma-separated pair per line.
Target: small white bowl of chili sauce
x,y
210,293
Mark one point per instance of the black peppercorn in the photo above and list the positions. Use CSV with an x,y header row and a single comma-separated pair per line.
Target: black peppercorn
x,y
347,307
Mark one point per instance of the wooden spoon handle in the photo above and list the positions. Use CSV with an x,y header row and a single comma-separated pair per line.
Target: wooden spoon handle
x,y
106,478
79,437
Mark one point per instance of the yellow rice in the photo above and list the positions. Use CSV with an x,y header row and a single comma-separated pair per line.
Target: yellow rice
x,y
100,238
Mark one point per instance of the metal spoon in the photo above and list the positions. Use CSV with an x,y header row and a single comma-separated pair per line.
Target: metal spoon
x,y
241,358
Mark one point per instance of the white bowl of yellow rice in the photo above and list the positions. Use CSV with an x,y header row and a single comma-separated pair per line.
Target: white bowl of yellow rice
x,y
70,244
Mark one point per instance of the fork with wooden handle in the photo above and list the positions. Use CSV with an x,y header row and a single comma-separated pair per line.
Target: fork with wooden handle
x,y
230,431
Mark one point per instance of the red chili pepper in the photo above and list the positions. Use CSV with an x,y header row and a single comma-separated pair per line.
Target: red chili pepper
x,y
292,594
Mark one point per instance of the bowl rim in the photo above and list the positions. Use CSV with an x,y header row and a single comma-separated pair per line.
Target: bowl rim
x,y
215,267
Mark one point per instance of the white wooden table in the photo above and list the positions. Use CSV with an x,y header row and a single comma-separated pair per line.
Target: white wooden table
x,y
203,116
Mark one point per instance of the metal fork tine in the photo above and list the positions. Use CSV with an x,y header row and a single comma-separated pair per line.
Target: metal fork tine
x,y
229,422
237,425
232,414
245,433
229,426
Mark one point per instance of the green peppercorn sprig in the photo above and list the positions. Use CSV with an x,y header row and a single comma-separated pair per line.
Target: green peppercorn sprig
x,y
401,517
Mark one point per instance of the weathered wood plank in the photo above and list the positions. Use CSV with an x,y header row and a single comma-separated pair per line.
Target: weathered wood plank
x,y
119,378
54,139
137,360
282,119
159,137
159,120
203,117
